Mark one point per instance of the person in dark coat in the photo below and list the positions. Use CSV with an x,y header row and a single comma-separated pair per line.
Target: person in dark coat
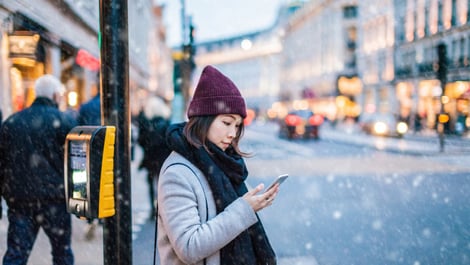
x,y
90,112
32,176
153,122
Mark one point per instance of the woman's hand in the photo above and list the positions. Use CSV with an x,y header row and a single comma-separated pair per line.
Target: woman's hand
x,y
263,200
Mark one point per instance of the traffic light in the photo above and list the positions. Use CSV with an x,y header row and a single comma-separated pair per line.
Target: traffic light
x,y
177,76
443,117
192,33
442,64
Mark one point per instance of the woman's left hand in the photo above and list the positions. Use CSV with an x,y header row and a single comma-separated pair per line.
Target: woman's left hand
x,y
263,200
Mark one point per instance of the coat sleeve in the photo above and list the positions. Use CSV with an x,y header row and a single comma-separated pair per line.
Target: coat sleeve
x,y
181,198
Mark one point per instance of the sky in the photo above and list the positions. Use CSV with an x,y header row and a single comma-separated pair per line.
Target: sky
x,y
215,19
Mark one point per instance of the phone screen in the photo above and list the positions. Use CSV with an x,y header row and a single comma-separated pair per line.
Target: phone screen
x,y
78,168
280,179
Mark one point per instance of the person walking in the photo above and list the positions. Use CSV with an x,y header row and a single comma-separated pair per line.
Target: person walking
x,y
153,123
32,176
206,215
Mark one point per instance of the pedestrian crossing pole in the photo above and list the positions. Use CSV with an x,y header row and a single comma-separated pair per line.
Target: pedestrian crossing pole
x,y
114,79
442,117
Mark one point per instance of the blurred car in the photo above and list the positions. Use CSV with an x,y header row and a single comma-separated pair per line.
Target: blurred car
x,y
383,124
300,124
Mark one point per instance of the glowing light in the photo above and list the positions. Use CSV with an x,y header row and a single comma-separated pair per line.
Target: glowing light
x,y
72,98
402,127
246,44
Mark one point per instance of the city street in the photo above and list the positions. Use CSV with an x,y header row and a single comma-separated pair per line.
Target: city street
x,y
347,201
397,68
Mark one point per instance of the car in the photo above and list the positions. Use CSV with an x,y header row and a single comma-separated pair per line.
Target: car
x,y
382,124
300,124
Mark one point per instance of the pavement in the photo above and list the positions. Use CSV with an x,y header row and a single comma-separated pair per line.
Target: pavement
x,y
90,252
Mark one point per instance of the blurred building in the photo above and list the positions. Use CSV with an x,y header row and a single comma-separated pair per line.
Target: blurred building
x,y
375,53
318,60
61,38
251,60
420,27
370,56
343,58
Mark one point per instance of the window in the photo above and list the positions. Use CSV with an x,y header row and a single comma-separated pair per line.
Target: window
x,y
350,12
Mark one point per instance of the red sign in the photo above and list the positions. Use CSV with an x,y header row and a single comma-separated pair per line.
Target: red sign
x,y
87,60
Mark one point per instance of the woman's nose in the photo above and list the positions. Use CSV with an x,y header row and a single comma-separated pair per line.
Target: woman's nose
x,y
232,133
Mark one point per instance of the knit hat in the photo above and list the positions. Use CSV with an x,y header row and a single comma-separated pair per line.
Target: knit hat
x,y
216,94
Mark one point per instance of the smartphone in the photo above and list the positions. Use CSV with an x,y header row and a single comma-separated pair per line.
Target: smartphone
x,y
279,180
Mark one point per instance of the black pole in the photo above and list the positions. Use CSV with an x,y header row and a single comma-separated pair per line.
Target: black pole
x,y
114,78
187,63
442,76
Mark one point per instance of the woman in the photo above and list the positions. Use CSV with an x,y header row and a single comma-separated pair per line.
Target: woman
x,y
206,214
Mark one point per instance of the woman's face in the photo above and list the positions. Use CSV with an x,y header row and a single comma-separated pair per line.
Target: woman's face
x,y
224,129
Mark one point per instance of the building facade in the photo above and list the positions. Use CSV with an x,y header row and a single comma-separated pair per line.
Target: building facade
x,y
251,60
318,61
61,38
421,27
375,55
362,57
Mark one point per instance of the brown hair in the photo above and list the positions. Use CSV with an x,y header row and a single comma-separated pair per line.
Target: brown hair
x,y
196,130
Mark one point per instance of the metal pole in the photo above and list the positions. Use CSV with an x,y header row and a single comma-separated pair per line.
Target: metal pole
x,y
442,76
183,22
114,78
186,63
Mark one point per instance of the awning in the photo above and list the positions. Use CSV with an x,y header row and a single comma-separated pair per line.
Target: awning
x,y
87,60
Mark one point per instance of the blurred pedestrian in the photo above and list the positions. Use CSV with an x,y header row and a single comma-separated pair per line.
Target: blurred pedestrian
x,y
206,213
32,176
153,122
417,122
72,114
89,113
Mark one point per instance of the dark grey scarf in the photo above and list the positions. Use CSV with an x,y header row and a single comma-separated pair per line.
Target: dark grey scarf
x,y
226,173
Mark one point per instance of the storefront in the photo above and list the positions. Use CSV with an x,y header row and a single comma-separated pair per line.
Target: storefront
x,y
422,102
348,89
457,96
28,47
30,51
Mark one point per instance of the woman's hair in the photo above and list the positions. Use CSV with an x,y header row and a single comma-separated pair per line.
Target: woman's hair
x,y
196,130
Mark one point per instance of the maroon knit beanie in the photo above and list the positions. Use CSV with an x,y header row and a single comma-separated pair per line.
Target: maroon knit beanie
x,y
216,94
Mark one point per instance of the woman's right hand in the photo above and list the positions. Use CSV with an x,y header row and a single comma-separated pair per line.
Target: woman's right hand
x,y
263,200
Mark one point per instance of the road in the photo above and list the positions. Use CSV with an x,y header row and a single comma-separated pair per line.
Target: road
x,y
353,204
347,201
